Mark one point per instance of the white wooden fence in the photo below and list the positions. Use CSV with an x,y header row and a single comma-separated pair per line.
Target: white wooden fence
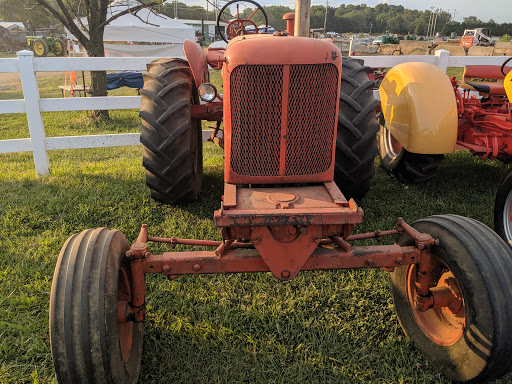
x,y
32,105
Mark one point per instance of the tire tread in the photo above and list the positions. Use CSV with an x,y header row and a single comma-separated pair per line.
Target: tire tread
x,y
356,146
171,139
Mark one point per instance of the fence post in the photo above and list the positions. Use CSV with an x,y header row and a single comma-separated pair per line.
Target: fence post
x,y
442,58
33,110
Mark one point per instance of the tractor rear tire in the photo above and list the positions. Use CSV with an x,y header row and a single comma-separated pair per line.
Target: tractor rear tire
x,y
172,151
503,209
59,47
40,48
356,145
88,343
407,167
471,341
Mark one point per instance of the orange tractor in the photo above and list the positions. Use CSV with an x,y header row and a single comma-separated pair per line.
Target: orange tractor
x,y
290,106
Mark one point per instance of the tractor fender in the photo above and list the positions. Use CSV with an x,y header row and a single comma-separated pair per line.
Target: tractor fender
x,y
420,109
197,61
507,83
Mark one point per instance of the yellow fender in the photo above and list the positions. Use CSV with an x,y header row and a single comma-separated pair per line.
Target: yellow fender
x,y
419,108
507,83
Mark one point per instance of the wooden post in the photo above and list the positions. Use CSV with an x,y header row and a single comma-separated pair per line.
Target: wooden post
x,y
302,16
33,110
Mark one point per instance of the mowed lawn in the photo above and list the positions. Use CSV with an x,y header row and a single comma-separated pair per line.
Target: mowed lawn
x,y
322,327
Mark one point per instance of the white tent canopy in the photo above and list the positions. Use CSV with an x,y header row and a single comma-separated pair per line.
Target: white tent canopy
x,y
144,27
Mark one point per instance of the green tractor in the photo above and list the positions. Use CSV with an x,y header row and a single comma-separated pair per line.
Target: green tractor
x,y
41,45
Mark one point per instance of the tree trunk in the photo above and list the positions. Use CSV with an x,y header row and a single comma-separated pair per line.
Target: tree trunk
x,y
95,48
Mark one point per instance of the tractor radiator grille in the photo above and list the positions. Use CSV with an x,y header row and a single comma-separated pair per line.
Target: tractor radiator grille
x,y
311,113
256,94
271,139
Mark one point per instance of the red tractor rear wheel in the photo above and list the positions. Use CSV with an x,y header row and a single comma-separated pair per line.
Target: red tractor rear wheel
x,y
356,147
172,151
470,339
91,281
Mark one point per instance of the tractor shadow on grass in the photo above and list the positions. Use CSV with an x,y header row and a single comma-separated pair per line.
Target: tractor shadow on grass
x,y
464,185
323,327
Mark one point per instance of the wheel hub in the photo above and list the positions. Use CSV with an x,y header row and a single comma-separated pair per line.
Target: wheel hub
x,y
444,322
38,48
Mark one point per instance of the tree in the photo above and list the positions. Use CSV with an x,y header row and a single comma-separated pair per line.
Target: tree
x,y
355,21
421,28
90,35
16,11
193,12
275,16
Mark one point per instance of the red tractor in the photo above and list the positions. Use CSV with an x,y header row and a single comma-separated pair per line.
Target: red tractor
x,y
290,106
417,130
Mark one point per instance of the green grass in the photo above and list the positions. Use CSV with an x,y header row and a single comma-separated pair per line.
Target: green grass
x,y
322,327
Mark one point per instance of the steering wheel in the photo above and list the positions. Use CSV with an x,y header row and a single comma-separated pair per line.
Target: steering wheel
x,y
503,66
239,26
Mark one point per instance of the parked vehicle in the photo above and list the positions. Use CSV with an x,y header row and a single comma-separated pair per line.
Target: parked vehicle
x,y
476,37
42,45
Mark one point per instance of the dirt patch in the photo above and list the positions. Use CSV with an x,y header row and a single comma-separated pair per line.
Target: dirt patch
x,y
12,80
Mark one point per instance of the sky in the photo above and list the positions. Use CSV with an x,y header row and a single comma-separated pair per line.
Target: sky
x,y
498,10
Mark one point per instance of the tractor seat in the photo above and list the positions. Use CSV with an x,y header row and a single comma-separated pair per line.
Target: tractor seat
x,y
484,72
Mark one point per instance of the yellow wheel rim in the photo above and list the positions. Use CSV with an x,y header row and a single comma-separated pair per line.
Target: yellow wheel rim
x,y
58,48
38,48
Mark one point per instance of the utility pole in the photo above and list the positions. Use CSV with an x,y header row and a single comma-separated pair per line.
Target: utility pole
x,y
429,22
325,20
371,25
175,9
435,22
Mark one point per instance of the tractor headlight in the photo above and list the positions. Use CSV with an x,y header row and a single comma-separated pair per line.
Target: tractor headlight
x,y
207,92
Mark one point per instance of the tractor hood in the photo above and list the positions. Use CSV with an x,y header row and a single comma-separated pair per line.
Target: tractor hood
x,y
274,49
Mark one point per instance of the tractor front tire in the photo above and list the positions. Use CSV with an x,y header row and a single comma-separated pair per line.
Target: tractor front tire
x,y
356,146
59,47
472,339
407,167
40,48
172,152
503,209
89,344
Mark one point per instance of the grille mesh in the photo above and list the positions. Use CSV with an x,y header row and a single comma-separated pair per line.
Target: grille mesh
x,y
256,93
311,114
256,104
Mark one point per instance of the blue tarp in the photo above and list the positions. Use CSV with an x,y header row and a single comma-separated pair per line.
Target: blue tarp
x,y
132,79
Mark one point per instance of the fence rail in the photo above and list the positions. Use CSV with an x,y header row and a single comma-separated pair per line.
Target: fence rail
x,y
32,105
